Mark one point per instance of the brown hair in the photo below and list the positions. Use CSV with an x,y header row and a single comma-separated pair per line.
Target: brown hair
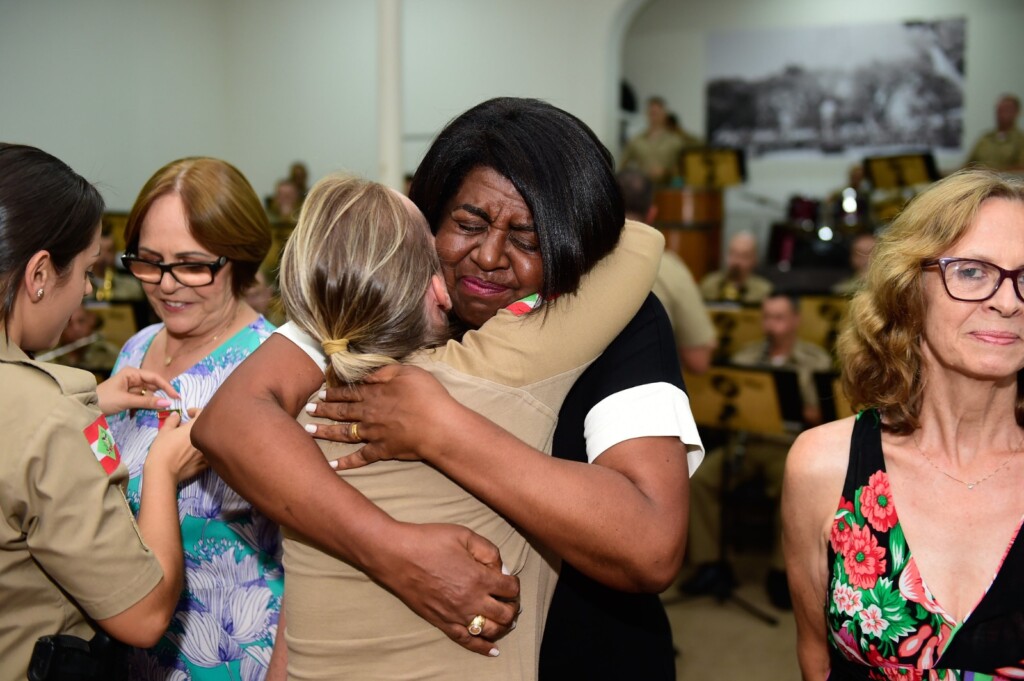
x,y
223,211
354,274
880,348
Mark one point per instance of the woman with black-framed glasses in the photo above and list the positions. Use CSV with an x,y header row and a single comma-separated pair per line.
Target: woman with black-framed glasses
x,y
902,524
191,274
974,281
195,239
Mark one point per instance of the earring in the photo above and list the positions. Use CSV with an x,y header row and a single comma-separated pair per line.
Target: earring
x,y
39,293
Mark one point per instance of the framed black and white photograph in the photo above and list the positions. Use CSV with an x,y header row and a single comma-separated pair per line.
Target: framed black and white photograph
x,y
842,90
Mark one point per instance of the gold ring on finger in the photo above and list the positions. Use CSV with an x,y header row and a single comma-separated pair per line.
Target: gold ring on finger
x,y
476,626
353,431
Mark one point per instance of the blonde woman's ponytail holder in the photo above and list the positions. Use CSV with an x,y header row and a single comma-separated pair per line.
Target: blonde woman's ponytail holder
x,y
332,346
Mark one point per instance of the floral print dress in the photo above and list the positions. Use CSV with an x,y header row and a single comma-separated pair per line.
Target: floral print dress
x,y
883,621
225,622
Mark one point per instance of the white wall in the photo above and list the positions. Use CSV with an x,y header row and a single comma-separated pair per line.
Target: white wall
x,y
460,52
301,86
664,54
117,88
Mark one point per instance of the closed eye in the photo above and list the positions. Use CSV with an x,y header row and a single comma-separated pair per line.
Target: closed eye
x,y
527,246
471,228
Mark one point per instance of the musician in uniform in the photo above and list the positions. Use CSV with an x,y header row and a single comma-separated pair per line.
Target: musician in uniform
x,y
655,152
737,282
1003,148
763,455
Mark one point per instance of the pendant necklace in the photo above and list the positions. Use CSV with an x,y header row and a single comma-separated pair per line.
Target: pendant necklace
x,y
168,358
968,485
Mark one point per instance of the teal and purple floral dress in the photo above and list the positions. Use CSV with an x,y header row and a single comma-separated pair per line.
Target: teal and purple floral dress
x,y
884,623
224,625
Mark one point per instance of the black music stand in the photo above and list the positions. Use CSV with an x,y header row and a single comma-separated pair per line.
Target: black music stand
x,y
747,400
833,402
712,167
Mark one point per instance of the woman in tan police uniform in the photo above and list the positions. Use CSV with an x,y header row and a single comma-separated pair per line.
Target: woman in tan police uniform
x,y
72,560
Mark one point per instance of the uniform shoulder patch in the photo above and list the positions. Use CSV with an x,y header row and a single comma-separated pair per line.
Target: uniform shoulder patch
x,y
101,441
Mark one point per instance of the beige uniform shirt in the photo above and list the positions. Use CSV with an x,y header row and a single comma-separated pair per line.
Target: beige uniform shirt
x,y
657,156
678,292
69,546
999,151
805,359
515,371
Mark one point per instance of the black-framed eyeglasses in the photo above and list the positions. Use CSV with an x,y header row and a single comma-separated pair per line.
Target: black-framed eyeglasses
x,y
191,274
973,281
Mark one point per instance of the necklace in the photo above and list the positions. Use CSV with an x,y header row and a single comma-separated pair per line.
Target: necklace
x,y
968,485
168,358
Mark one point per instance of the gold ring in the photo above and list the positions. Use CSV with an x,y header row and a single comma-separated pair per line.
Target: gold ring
x,y
142,393
476,627
353,431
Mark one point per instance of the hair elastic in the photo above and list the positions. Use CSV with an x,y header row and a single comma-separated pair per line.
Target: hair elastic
x,y
332,346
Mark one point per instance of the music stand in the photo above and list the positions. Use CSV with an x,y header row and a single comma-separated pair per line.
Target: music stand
x,y
735,326
821,318
712,167
901,171
736,398
744,400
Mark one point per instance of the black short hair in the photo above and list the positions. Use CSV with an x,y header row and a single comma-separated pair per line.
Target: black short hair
x,y
637,192
556,163
44,206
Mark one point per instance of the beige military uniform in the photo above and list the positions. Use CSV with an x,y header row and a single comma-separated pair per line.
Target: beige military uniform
x,y
515,371
999,150
69,547
677,291
763,454
657,155
715,287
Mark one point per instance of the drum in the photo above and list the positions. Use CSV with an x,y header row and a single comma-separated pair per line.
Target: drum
x,y
691,220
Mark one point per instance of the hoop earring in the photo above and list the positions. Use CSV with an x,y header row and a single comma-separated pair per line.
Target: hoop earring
x,y
39,293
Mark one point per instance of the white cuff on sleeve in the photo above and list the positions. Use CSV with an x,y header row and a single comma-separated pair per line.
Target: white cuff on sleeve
x,y
650,410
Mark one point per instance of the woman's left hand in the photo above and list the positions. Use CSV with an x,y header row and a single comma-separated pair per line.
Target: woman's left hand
x,y
132,388
401,412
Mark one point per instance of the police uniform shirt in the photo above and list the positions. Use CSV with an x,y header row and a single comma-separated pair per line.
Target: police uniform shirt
x,y
69,546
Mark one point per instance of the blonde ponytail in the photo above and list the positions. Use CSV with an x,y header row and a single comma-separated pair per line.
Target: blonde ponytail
x,y
354,274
